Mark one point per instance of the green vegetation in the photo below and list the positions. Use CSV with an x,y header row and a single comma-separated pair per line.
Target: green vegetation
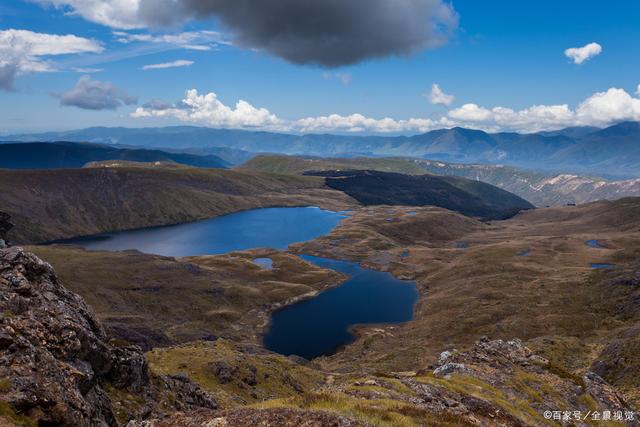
x,y
237,375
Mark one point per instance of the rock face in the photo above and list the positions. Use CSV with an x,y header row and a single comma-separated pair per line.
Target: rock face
x,y
5,226
56,366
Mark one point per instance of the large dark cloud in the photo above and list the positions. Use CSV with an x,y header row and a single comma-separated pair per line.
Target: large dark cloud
x,y
328,33
90,94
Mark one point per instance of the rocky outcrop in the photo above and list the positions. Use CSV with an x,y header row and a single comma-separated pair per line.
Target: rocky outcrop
x,y
5,226
56,365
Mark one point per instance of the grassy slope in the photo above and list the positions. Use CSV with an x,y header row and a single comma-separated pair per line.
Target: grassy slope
x,y
299,165
550,297
152,300
53,204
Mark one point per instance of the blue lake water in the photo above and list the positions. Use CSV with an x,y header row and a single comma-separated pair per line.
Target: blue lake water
x,y
311,328
320,326
270,227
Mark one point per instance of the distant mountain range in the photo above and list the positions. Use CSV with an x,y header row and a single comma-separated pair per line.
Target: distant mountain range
x,y
62,155
613,151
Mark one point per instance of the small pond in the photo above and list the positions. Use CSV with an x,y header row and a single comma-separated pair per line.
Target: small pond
x,y
320,325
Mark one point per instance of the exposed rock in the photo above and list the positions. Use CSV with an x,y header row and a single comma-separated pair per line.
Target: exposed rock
x,y
449,368
223,371
5,226
55,357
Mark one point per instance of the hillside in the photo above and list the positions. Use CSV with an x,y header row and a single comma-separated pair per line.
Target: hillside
x,y
300,165
62,155
61,370
612,151
539,188
58,366
458,194
585,332
53,204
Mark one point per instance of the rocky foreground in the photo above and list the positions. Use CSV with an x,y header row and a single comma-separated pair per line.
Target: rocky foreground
x,y
57,367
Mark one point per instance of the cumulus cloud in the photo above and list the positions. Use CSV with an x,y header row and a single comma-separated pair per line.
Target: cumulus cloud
x,y
91,94
612,106
438,97
329,33
580,54
599,109
23,51
209,110
174,64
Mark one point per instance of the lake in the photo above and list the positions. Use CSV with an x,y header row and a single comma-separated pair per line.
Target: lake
x,y
274,228
320,325
311,328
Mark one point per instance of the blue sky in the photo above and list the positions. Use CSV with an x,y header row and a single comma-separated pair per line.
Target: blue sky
x,y
499,59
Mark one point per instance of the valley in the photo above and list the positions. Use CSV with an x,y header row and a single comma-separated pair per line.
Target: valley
x,y
319,213
510,318
573,318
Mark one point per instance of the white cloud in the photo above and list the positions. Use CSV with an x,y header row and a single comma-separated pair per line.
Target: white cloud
x,y
95,95
638,90
612,106
360,123
580,54
438,97
599,109
191,40
112,13
23,51
209,110
174,64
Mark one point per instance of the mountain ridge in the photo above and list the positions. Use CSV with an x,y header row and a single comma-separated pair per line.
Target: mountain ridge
x,y
64,155
571,150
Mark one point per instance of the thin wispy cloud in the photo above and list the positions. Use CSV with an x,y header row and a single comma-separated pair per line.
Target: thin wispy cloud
x,y
23,51
174,64
190,40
